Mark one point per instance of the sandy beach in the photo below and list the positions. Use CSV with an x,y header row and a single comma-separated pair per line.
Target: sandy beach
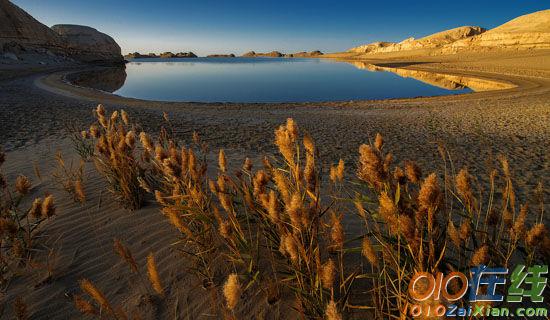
x,y
35,108
474,127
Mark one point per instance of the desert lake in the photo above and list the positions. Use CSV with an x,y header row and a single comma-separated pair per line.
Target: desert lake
x,y
268,80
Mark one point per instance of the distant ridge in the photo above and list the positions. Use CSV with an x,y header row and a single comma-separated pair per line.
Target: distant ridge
x,y
530,31
435,40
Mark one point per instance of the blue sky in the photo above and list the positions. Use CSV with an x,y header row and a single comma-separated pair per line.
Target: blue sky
x,y
208,26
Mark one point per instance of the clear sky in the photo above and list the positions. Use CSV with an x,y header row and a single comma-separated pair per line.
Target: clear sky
x,y
209,26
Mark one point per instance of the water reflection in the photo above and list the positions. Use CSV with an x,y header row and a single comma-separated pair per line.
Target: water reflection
x,y
272,80
105,79
444,81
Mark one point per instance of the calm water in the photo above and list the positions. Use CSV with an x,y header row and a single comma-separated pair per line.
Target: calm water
x,y
265,80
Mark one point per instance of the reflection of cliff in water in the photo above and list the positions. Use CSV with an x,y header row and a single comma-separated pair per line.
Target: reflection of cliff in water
x,y
445,81
105,79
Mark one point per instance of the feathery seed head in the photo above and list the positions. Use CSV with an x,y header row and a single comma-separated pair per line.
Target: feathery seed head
x,y
371,169
308,144
332,311
337,232
295,210
153,274
124,117
465,230
536,235
378,142
480,256
146,141
292,128
285,143
463,185
96,294
428,196
48,207
130,139
232,291
328,271
413,172
36,208
387,209
369,252
22,184
222,161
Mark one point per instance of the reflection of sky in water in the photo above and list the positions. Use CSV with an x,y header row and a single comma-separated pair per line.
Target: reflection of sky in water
x,y
265,80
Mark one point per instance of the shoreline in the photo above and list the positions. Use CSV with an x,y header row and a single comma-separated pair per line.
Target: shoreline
x,y
57,83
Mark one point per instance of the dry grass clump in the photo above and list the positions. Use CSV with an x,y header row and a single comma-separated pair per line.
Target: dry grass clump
x,y
116,157
422,224
267,223
277,230
18,225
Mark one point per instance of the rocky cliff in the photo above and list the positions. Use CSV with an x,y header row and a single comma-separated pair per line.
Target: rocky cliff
x,y
87,44
19,30
24,38
436,40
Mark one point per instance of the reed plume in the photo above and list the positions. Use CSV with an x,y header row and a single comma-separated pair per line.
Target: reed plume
x,y
96,294
36,208
428,196
22,185
328,271
480,256
222,162
535,236
79,191
153,274
125,254
378,142
48,207
332,312
413,172
369,252
232,291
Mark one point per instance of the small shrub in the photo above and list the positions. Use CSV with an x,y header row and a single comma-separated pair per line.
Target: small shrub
x,y
116,157
18,225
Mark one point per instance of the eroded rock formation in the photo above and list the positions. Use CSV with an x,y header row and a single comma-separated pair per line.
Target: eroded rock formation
x,y
88,45
24,38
